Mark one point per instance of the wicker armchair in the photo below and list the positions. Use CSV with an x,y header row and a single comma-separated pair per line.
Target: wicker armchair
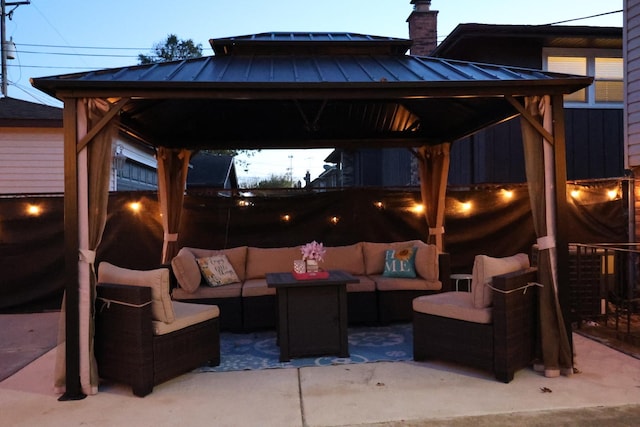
x,y
132,347
500,339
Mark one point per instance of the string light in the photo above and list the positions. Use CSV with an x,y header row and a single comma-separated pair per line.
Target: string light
x,y
135,207
575,193
466,206
417,208
34,210
334,220
507,194
378,204
612,194
286,217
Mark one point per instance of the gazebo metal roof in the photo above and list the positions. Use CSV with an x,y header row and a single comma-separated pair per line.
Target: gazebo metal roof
x,y
259,96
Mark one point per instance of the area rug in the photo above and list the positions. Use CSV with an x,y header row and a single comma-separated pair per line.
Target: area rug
x,y
258,350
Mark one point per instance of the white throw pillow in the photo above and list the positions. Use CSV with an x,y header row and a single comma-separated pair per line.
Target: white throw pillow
x,y
217,270
485,267
157,280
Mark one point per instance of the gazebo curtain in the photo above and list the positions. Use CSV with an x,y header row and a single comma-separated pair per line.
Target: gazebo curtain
x,y
555,347
173,165
433,161
94,173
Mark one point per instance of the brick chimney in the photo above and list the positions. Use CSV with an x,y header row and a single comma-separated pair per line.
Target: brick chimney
x,y
423,28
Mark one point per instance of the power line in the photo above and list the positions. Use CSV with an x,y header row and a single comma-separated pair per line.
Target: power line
x,y
586,17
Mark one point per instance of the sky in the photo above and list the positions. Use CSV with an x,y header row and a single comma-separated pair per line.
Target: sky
x,y
54,37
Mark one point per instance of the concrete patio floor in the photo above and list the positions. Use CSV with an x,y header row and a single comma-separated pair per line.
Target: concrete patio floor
x,y
605,392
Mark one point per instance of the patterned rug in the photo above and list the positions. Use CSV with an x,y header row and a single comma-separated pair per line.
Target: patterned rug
x,y
258,350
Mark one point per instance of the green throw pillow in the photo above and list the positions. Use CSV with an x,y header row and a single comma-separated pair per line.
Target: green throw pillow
x,y
400,263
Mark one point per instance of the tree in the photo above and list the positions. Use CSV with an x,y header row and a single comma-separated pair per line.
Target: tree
x,y
172,50
275,181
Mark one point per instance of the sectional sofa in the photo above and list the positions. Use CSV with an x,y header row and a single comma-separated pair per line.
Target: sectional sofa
x,y
249,304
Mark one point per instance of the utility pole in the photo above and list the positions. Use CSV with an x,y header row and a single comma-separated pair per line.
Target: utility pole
x,y
3,37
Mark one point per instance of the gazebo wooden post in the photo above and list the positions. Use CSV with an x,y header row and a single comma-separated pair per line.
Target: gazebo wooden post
x,y
71,249
562,222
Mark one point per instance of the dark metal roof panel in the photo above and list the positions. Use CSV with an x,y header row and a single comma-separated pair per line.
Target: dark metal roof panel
x,y
283,69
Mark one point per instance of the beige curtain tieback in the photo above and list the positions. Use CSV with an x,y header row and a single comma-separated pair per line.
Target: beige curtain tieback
x,y
546,242
87,255
525,287
170,237
436,230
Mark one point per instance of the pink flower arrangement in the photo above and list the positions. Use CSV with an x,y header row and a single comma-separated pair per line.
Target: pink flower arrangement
x,y
314,251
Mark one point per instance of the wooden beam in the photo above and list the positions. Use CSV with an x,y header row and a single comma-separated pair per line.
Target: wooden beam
x,y
71,249
536,124
562,215
101,124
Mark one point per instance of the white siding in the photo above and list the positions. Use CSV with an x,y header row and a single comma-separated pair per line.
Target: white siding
x,y
31,160
632,63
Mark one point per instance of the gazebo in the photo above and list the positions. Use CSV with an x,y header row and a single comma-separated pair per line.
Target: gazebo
x,y
303,90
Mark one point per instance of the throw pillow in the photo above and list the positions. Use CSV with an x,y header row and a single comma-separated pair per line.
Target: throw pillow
x,y
217,270
157,280
400,263
485,267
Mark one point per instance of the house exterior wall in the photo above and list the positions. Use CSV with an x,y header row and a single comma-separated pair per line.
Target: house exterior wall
x,y
631,34
31,160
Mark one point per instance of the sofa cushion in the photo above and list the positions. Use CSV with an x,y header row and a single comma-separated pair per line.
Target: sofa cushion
x,y
400,263
427,262
233,290
217,270
366,284
485,267
157,280
186,315
374,254
455,305
257,288
261,261
346,258
186,269
384,284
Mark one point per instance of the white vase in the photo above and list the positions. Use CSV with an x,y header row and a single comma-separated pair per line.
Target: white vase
x,y
312,266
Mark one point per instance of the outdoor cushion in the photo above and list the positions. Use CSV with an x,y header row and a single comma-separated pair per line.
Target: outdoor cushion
x,y
157,280
405,284
366,284
186,269
346,258
217,270
454,305
427,262
374,254
400,263
261,261
186,315
234,290
485,267
257,288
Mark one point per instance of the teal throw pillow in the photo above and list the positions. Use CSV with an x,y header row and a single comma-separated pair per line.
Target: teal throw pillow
x,y
400,263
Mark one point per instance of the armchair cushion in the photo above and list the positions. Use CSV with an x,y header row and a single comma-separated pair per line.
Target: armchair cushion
x,y
485,267
157,280
455,305
186,315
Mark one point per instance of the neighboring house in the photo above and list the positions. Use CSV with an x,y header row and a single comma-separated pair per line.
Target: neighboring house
x,y
632,106
593,117
212,171
31,153
31,148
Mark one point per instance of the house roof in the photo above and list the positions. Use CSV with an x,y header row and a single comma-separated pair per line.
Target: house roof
x,y
309,43
19,113
212,170
258,99
557,36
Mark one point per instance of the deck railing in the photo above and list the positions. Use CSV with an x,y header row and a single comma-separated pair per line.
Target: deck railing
x,y
603,283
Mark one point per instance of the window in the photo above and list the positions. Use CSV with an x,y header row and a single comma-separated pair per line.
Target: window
x,y
605,66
